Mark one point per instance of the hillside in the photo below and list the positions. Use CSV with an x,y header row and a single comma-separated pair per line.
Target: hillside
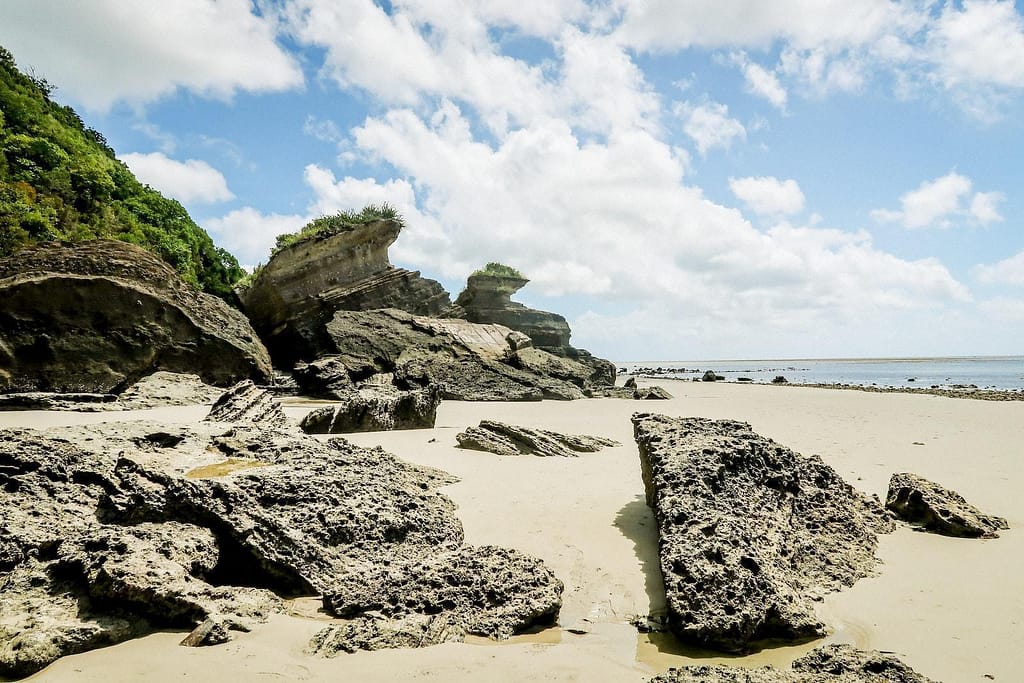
x,y
60,180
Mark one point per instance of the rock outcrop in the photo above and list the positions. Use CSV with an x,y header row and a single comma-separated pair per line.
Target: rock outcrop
x,y
750,533
297,292
114,530
938,509
97,316
245,402
375,409
506,439
467,361
829,664
487,298
631,391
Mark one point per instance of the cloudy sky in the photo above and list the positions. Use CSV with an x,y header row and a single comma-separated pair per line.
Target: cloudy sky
x,y
683,180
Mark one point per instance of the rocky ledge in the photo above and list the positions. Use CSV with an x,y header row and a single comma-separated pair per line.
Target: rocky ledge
x,y
505,439
829,664
96,316
115,530
750,532
937,509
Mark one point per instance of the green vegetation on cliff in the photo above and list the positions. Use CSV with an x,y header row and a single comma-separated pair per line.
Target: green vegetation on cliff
x,y
498,270
60,180
340,221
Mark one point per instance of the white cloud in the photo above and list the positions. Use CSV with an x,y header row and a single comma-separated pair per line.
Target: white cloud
x,y
106,51
941,202
768,196
249,234
981,43
1004,309
761,82
1009,271
187,181
709,125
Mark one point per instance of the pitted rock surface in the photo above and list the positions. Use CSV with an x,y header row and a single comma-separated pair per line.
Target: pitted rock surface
x,y
750,532
244,402
505,439
938,509
376,409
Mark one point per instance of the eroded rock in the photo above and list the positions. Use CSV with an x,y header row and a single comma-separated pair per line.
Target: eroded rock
x,y
244,402
938,509
376,409
505,439
750,532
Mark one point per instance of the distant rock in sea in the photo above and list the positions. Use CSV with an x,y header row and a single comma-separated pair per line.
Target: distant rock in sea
x,y
97,316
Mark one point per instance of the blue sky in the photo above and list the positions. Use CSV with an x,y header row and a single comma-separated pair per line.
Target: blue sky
x,y
698,180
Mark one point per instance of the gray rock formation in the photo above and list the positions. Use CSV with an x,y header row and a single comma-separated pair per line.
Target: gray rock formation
x,y
244,402
300,288
506,439
485,591
379,633
750,533
97,316
938,509
468,361
487,298
654,393
376,409
325,377
829,664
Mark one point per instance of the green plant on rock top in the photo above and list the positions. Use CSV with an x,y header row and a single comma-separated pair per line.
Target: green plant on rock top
x,y
340,221
498,270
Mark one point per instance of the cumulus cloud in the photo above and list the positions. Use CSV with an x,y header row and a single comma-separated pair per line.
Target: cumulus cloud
x,y
108,51
249,234
709,125
761,82
1009,271
980,43
941,203
190,181
768,196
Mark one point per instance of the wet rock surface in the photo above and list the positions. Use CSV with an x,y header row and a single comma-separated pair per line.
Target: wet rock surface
x,y
244,402
374,409
829,664
750,532
937,509
505,439
96,316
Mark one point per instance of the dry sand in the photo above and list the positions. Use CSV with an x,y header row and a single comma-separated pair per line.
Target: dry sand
x,y
953,609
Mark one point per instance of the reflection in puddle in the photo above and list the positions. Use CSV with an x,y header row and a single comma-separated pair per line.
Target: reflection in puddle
x,y
220,469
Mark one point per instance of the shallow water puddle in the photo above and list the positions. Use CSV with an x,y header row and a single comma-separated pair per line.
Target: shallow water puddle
x,y
660,651
220,469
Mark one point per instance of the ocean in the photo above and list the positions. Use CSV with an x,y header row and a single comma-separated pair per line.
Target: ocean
x,y
984,372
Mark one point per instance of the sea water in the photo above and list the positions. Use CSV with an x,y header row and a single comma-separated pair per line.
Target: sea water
x,y
984,372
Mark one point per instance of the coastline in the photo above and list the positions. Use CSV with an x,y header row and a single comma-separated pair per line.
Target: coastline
x,y
949,607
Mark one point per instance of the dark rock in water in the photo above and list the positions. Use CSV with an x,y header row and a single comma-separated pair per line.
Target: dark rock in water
x,y
105,539
750,533
938,509
779,379
506,439
468,361
244,402
485,591
98,315
302,285
375,410
828,664
710,376
487,298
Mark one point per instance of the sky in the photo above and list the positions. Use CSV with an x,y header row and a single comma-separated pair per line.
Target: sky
x,y
707,179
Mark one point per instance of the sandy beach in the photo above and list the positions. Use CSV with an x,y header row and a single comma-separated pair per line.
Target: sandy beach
x,y
953,609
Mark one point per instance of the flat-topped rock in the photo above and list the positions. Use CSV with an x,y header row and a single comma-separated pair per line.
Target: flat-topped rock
x,y
937,509
97,316
343,268
505,439
750,532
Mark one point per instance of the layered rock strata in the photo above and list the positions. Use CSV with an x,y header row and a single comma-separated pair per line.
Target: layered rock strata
x,y
296,293
937,509
375,409
97,316
750,532
829,664
245,402
505,439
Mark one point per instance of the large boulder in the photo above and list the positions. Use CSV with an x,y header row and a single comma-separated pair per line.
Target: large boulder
x,y
487,298
750,532
346,267
467,361
375,409
937,509
97,316
505,439
828,664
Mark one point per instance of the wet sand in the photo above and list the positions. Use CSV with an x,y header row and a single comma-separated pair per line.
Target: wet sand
x,y
953,609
